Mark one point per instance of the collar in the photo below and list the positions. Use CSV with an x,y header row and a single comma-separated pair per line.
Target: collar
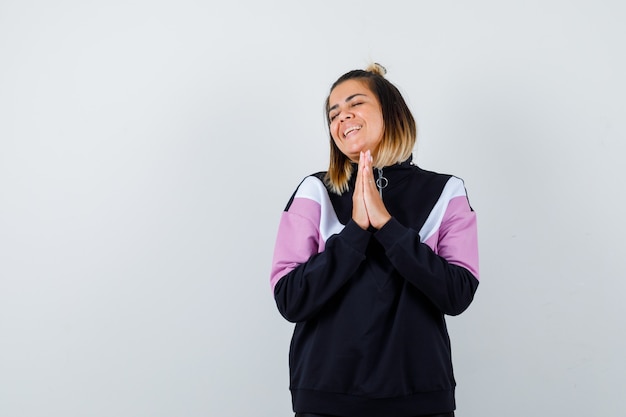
x,y
407,163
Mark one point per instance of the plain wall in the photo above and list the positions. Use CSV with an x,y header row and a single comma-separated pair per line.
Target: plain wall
x,y
147,149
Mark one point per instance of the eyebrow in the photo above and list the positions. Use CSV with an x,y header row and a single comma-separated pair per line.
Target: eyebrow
x,y
346,100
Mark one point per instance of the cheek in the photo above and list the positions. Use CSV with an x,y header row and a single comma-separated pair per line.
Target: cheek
x,y
381,126
337,142
333,131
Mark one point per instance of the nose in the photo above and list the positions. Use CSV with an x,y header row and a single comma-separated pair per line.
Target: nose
x,y
345,116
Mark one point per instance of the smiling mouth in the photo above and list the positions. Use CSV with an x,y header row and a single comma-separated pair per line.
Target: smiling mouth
x,y
350,130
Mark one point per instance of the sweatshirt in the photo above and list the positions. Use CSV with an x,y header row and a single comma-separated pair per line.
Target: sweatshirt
x,y
369,306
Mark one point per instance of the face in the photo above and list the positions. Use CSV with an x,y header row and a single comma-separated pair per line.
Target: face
x,y
356,119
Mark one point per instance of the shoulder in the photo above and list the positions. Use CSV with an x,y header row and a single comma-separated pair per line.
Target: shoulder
x,y
311,188
447,186
449,181
433,175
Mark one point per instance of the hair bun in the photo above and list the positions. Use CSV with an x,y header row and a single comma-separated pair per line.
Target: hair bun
x,y
377,69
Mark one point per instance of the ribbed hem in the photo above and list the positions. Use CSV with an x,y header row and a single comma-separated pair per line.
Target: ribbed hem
x,y
349,405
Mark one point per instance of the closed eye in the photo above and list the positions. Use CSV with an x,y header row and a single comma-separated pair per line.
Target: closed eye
x,y
333,116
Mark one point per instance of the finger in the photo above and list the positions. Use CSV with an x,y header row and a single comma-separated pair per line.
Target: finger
x,y
359,175
376,211
359,212
368,173
363,167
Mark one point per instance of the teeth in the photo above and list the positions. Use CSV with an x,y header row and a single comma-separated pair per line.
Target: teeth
x,y
345,133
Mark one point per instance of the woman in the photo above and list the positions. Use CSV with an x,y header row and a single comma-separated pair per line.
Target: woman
x,y
370,256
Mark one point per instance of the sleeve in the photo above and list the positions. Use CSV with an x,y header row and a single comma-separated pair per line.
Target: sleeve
x,y
445,269
314,255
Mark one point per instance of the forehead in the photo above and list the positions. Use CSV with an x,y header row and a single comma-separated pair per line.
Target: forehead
x,y
347,89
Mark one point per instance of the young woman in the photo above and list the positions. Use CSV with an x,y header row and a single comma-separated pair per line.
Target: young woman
x,y
370,256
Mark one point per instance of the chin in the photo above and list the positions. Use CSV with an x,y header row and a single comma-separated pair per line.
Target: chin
x,y
353,156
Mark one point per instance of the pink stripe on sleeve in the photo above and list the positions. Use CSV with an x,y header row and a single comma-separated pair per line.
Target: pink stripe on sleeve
x,y
298,238
457,238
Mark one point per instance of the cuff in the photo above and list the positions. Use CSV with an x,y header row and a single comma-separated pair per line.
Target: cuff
x,y
356,237
390,233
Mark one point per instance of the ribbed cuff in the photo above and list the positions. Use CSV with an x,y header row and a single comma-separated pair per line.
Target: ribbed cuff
x,y
357,238
390,233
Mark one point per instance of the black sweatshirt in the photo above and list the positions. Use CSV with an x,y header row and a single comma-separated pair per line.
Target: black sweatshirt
x,y
370,337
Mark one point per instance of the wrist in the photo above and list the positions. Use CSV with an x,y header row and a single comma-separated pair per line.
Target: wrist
x,y
380,224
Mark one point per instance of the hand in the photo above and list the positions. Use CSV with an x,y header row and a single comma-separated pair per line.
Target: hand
x,y
376,211
367,198
359,211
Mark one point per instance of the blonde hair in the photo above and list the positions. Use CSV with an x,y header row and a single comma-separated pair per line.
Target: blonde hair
x,y
400,130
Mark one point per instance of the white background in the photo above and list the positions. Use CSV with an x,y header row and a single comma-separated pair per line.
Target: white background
x,y
147,149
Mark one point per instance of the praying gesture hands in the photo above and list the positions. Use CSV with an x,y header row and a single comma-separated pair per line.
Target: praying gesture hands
x,y
368,208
